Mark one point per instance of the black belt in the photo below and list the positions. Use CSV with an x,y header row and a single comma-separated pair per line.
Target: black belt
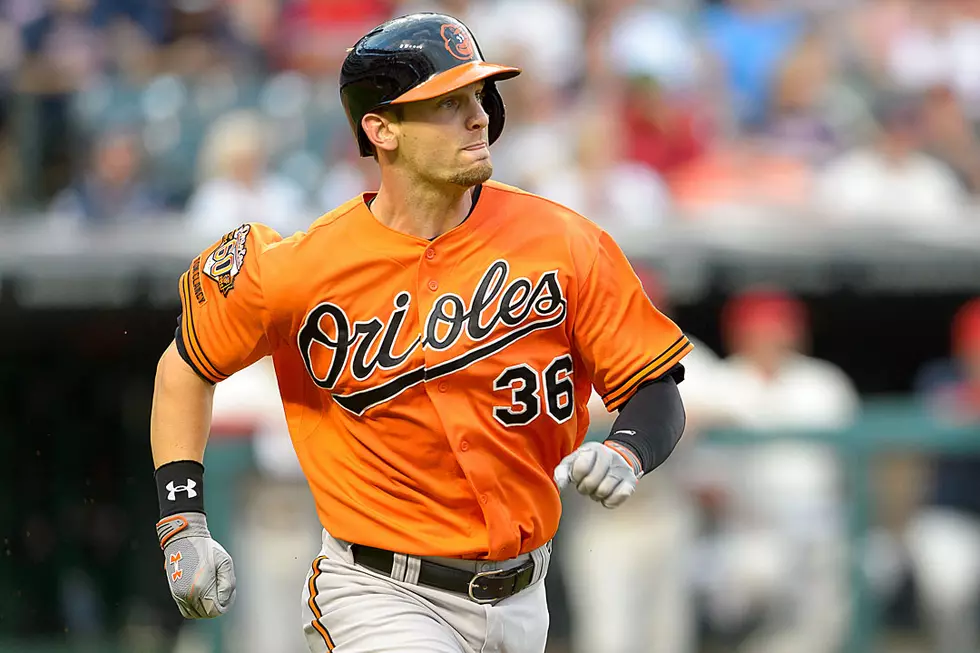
x,y
481,587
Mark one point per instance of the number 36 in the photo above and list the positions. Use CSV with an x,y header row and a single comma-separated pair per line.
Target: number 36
x,y
525,385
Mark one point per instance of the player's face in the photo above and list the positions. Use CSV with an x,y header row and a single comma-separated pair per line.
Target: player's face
x,y
445,140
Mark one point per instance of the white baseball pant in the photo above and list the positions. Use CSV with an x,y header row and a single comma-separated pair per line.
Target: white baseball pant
x,y
349,608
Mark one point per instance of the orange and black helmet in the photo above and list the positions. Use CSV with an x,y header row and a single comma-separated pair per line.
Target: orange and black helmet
x,y
417,57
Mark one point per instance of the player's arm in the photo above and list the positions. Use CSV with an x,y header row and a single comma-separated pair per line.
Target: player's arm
x,y
180,418
644,434
649,424
224,326
633,354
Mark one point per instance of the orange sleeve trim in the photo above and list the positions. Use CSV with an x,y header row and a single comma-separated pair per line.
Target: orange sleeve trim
x,y
211,367
183,345
195,351
664,361
317,614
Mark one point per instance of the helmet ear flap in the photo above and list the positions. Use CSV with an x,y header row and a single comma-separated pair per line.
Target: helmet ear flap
x,y
493,104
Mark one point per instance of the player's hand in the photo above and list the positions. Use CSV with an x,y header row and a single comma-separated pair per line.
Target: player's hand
x,y
598,472
199,570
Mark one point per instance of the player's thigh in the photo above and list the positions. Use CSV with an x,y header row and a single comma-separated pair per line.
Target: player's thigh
x,y
348,610
519,624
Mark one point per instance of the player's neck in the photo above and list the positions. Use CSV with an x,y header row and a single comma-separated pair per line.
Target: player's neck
x,y
421,210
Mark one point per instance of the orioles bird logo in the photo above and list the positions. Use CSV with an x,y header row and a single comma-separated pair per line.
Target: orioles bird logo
x,y
457,42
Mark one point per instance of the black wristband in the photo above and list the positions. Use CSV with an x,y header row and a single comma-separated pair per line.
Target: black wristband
x,y
180,487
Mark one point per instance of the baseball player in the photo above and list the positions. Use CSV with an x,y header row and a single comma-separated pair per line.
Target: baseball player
x,y
436,343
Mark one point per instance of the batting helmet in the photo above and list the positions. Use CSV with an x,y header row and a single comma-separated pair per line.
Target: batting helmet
x,y
417,57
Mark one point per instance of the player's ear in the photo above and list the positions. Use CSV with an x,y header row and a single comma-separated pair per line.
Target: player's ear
x,y
381,130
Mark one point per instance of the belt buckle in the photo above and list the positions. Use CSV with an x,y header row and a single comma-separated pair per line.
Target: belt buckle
x,y
479,575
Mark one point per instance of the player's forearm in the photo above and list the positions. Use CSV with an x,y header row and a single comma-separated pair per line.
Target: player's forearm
x,y
651,423
181,414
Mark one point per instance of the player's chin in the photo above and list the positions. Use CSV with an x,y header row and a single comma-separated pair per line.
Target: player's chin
x,y
473,174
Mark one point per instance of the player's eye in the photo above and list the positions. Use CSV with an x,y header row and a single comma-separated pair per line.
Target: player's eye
x,y
480,96
449,103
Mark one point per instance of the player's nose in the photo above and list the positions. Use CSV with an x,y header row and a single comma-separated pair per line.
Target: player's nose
x,y
479,118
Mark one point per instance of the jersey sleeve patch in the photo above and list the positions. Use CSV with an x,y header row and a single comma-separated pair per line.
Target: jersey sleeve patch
x,y
225,261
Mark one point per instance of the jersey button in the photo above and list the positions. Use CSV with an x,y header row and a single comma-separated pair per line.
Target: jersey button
x,y
433,285
464,446
430,254
443,386
483,499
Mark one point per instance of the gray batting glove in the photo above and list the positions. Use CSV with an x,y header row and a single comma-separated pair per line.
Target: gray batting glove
x,y
598,472
200,571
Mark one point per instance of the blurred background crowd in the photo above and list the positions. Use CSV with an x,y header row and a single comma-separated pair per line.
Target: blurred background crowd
x,y
190,117
632,111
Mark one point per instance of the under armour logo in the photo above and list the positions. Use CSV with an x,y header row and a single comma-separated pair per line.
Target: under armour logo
x,y
178,572
174,489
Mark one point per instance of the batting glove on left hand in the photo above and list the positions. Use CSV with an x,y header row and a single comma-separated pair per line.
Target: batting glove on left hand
x,y
200,571
598,472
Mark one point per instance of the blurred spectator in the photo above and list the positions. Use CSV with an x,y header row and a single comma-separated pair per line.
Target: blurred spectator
x,y
248,403
67,39
313,35
892,180
640,597
624,197
512,30
64,49
201,41
9,178
944,538
253,24
950,137
11,58
777,558
661,131
110,187
347,175
11,49
541,132
236,185
766,333
646,40
739,178
278,530
870,32
749,38
812,114
940,47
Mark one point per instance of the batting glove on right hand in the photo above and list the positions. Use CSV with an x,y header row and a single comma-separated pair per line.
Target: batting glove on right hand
x,y
598,472
200,572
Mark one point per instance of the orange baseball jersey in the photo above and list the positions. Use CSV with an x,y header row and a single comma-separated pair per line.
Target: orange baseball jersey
x,y
431,387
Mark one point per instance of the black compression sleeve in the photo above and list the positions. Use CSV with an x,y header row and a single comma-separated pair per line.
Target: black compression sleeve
x,y
651,422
